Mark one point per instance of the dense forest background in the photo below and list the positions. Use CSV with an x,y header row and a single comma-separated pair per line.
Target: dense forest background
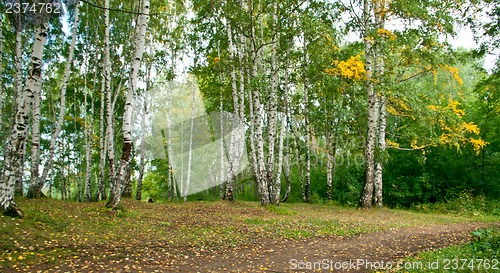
x,y
355,102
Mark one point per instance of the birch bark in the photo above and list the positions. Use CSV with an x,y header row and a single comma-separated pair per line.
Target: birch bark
x,y
109,104
367,194
124,166
37,182
17,137
18,86
380,68
257,124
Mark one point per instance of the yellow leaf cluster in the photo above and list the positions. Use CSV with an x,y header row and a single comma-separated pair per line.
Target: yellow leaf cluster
x,y
414,145
470,128
384,33
445,138
434,107
454,72
353,68
392,144
453,104
216,59
478,144
391,110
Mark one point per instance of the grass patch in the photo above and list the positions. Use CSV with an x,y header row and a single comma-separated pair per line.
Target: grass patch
x,y
280,210
55,231
480,255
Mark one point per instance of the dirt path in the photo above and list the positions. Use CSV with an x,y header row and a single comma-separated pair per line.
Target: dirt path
x,y
343,254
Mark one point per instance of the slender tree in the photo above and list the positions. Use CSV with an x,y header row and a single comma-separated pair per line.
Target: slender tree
x,y
37,181
367,195
17,137
126,157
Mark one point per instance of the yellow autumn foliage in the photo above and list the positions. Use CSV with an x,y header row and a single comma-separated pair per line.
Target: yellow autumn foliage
x,y
384,33
470,128
414,145
392,144
434,107
478,144
353,68
453,104
454,72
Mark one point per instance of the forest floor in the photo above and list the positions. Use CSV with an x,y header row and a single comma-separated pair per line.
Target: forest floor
x,y
65,236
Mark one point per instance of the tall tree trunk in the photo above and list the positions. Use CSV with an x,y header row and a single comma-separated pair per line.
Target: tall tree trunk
x,y
367,194
272,115
2,95
126,157
233,162
109,107
101,189
17,137
382,146
35,145
380,69
257,124
19,56
37,182
18,86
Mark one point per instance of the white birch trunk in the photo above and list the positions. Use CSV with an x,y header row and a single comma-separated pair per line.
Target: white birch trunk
x,y
382,146
273,109
367,194
17,138
18,86
37,182
380,69
124,166
19,56
258,132
233,162
101,189
1,71
109,104
35,142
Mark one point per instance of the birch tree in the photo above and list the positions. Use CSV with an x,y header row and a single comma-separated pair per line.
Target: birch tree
x,y
37,181
18,85
109,106
380,9
367,195
17,136
126,157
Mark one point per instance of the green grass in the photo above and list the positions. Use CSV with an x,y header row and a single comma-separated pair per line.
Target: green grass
x,y
480,255
54,231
